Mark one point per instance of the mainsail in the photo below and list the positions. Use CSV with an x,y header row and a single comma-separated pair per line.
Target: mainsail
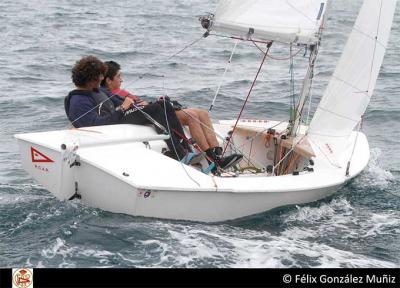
x,y
289,21
351,86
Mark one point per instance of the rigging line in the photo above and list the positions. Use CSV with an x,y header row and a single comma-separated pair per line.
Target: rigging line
x,y
258,47
354,148
198,121
376,40
277,58
287,154
262,131
211,130
241,148
95,107
291,69
151,119
309,108
301,110
223,76
247,98
305,15
187,46
173,145
306,89
142,75
139,78
248,40
235,148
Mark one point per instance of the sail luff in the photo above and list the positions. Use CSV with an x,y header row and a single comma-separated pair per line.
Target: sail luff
x,y
351,86
289,21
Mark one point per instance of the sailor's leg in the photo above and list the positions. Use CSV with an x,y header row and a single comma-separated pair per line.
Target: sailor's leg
x,y
157,112
172,117
207,127
133,116
189,117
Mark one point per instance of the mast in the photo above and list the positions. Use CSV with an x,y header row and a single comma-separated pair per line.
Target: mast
x,y
294,122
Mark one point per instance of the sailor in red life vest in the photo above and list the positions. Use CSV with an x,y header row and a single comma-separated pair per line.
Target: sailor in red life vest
x,y
197,120
124,93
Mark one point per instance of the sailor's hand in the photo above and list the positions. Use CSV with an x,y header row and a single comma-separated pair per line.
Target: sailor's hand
x,y
126,104
142,103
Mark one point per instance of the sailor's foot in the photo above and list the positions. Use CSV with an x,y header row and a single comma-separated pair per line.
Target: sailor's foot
x,y
225,163
229,161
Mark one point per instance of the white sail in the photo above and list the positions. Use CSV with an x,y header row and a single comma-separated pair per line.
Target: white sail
x,y
296,21
351,86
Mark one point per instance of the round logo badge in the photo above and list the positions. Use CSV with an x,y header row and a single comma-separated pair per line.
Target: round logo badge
x,y
22,278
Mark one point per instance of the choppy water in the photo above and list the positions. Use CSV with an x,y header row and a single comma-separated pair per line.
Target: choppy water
x,y
357,227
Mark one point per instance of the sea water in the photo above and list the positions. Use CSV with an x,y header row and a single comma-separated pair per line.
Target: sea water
x,y
359,226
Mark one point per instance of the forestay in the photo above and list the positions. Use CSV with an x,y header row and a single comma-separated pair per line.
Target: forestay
x,y
351,86
290,21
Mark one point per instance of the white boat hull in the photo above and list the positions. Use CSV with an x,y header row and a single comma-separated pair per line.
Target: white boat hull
x,y
206,206
117,172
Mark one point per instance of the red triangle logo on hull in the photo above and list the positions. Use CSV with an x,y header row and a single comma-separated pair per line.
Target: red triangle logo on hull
x,y
39,157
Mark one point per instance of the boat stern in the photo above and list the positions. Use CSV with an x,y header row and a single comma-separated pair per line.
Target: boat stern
x,y
46,164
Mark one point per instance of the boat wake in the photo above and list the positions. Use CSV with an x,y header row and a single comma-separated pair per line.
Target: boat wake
x,y
375,176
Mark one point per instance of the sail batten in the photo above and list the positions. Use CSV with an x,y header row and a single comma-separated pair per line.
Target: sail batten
x,y
351,86
289,21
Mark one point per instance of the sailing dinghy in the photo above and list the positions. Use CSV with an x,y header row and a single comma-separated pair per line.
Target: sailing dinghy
x,y
285,162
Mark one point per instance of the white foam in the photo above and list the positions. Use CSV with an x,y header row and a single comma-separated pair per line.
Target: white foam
x,y
22,193
298,233
225,246
380,224
95,253
374,175
61,249
198,245
309,214
12,199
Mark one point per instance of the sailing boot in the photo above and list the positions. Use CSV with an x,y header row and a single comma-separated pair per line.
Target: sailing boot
x,y
222,162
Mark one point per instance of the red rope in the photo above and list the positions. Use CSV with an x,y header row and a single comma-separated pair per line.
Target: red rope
x,y
189,142
184,138
247,98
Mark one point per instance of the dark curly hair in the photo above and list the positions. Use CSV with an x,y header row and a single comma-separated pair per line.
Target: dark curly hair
x,y
112,70
87,69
